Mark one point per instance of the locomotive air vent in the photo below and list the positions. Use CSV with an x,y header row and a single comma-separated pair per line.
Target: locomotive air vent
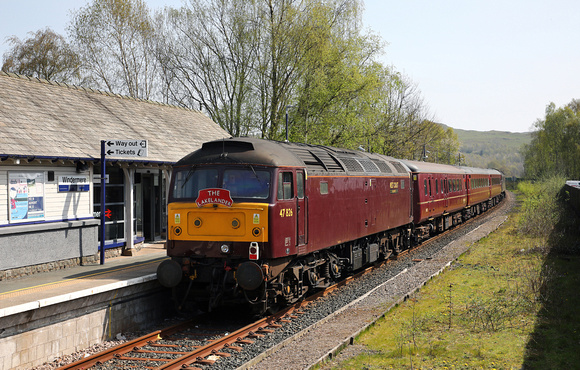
x,y
399,167
316,159
351,164
368,165
383,166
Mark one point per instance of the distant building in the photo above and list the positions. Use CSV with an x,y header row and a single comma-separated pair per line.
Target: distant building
x,y
50,146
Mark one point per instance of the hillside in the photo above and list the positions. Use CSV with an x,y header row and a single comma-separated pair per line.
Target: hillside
x,y
494,149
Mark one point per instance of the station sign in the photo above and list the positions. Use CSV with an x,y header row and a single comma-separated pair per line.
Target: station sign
x,y
126,148
73,183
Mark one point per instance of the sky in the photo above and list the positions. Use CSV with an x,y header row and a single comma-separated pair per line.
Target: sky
x,y
479,64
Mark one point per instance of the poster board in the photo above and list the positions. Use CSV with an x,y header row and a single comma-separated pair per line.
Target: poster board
x,y
26,196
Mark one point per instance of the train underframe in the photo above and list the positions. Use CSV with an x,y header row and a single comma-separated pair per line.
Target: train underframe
x,y
269,284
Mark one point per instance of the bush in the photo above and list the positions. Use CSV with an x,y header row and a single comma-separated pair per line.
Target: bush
x,y
541,208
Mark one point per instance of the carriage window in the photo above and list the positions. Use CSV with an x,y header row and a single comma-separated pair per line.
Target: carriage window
x,y
429,187
426,191
300,184
436,187
285,190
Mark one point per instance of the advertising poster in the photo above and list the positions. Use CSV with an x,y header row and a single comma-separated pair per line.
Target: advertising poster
x,y
26,193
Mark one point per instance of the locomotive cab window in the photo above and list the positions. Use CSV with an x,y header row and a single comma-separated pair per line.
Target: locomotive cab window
x,y
189,182
247,183
285,188
300,184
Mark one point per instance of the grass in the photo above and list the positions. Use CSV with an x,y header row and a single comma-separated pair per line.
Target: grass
x,y
510,302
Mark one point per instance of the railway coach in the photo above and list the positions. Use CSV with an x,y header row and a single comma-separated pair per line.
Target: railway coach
x,y
264,221
439,194
485,188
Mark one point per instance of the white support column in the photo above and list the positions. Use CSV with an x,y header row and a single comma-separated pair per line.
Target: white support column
x,y
167,176
129,211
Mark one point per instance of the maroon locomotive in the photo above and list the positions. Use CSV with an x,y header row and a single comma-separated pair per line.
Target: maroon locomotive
x,y
265,222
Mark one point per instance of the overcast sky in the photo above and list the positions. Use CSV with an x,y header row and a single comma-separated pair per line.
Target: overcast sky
x,y
479,64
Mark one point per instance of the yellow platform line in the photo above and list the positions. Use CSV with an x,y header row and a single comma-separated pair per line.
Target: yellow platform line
x,y
40,287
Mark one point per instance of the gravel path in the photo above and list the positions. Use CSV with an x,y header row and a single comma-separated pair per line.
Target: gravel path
x,y
325,338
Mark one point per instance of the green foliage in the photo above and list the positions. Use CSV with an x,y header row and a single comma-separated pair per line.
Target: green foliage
x,y
114,39
555,146
45,54
255,66
504,304
541,208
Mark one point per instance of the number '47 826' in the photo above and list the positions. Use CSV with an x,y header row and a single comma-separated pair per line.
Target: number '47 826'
x,y
286,212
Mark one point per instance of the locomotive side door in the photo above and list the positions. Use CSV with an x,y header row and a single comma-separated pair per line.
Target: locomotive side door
x,y
285,210
301,209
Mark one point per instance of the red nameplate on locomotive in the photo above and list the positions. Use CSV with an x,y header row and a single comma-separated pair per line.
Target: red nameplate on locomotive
x,y
214,196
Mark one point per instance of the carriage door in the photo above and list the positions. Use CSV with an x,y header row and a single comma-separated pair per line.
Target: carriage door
x,y
444,190
431,193
301,209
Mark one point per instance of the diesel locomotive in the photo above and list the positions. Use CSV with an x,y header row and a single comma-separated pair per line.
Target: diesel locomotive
x,y
265,222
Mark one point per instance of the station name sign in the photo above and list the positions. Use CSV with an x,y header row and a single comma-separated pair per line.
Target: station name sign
x,y
70,183
126,148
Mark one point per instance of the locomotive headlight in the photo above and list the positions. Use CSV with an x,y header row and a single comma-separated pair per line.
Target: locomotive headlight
x,y
235,223
225,248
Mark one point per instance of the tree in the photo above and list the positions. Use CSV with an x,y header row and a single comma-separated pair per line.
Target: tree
x,y
338,78
45,54
555,146
247,63
207,53
114,39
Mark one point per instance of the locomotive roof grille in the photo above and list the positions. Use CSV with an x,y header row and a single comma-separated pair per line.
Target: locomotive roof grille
x,y
383,166
368,165
399,167
351,164
317,159
331,164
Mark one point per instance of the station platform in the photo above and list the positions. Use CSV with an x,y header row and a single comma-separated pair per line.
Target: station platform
x,y
50,288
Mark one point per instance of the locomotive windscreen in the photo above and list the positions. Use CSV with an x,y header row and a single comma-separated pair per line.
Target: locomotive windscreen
x,y
245,183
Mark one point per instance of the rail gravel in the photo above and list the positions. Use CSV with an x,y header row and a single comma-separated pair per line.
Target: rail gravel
x,y
334,322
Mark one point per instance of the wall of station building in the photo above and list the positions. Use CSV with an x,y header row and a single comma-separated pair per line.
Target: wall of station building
x,y
46,214
50,212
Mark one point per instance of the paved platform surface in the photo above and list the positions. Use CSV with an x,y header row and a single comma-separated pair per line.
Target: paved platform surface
x,y
43,289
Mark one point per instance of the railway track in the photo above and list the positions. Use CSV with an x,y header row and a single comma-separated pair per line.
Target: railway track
x,y
190,344
186,345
